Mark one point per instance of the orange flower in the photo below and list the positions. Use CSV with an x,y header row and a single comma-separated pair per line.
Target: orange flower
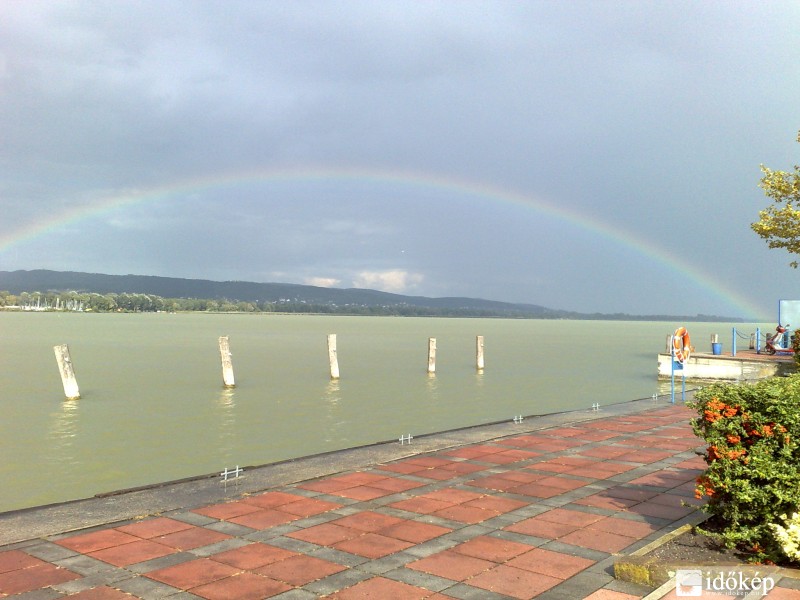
x,y
733,439
713,453
710,416
730,411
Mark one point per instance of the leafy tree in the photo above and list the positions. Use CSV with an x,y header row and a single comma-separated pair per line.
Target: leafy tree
x,y
779,223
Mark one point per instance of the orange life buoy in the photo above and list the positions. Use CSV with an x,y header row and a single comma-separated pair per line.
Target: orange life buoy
x,y
681,344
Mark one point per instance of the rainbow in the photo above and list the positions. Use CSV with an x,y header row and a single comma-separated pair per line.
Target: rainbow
x,y
479,191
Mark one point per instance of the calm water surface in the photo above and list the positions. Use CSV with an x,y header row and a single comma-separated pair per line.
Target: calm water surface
x,y
153,407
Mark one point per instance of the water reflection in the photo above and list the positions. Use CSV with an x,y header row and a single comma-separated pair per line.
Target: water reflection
x,y
63,433
334,421
433,386
226,421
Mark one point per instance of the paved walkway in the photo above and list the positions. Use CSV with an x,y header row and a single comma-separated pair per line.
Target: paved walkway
x,y
541,514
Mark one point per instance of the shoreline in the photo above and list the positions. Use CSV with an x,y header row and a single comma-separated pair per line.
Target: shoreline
x,y
23,524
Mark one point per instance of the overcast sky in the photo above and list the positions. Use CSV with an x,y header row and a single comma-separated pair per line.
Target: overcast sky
x,y
589,156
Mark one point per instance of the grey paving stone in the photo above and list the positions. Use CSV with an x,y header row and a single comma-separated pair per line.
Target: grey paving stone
x,y
577,586
161,563
272,533
467,533
192,518
296,594
84,565
105,578
230,528
337,581
626,587
420,579
49,551
462,591
146,589
501,521
294,545
315,520
521,538
431,547
43,594
383,565
339,556
557,546
216,548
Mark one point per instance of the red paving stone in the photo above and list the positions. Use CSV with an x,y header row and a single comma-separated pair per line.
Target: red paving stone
x,y
552,564
252,556
189,539
242,586
543,529
363,493
414,531
97,540
150,528
264,519
491,548
135,552
13,560
569,517
451,565
367,521
466,514
308,507
193,573
227,510
272,499
300,570
510,581
33,578
379,588
598,540
325,534
372,545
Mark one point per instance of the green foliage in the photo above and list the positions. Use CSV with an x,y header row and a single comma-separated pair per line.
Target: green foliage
x,y
779,223
796,346
753,474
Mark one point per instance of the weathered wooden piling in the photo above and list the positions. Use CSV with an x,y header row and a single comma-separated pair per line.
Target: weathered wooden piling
x,y
227,363
479,362
431,355
333,360
71,390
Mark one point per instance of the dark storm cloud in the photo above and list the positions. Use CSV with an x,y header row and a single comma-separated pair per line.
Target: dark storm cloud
x,y
646,117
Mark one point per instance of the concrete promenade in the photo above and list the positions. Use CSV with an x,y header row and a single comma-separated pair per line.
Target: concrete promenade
x,y
538,509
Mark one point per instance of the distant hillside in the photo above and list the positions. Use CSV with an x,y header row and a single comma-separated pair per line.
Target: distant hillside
x,y
17,282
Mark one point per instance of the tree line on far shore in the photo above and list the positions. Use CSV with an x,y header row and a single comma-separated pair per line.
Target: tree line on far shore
x,y
140,303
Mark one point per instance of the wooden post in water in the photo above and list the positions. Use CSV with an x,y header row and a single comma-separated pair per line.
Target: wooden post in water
x,y
479,353
67,373
431,355
333,360
227,363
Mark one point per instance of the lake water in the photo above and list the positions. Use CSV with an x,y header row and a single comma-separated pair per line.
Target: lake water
x,y
153,407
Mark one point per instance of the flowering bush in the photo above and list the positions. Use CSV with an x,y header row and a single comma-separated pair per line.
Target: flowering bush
x,y
753,457
788,537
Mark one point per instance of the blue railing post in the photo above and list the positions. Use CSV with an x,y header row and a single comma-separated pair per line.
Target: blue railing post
x,y
758,340
733,343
